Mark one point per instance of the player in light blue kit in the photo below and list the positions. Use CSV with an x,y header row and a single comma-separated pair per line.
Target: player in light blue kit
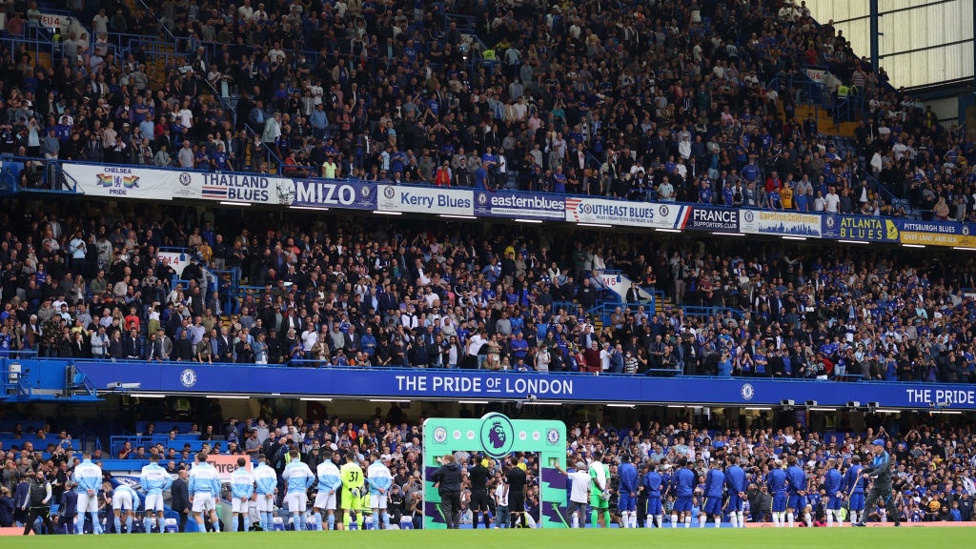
x,y
242,490
832,483
88,478
627,476
298,479
124,500
380,479
204,488
325,498
154,480
714,490
266,481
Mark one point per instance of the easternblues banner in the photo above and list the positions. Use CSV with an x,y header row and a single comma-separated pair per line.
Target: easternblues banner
x,y
453,384
512,205
712,219
428,200
354,195
618,212
780,223
859,227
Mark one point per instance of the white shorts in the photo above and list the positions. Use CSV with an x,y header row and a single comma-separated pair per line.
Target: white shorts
x,y
154,502
264,503
377,501
297,502
203,503
122,500
325,500
238,506
86,503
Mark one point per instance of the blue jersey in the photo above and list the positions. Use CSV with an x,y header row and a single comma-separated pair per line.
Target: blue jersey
x,y
852,479
154,480
88,476
652,484
776,481
832,482
714,483
204,480
328,475
266,480
684,482
242,483
735,479
627,474
298,477
796,478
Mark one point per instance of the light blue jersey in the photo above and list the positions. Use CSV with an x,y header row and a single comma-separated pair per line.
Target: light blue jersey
x,y
242,483
204,480
88,476
379,477
125,489
266,480
154,480
298,477
329,480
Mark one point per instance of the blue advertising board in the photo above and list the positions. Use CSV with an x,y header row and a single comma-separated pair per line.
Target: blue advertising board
x,y
330,193
515,205
455,384
859,227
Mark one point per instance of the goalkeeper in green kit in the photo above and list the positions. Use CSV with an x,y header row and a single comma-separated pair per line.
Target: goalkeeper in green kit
x,y
600,491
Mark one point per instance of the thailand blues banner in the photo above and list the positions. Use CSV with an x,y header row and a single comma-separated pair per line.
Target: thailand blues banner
x,y
513,205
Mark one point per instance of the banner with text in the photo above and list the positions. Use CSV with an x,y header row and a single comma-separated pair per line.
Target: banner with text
x,y
121,181
428,200
859,227
520,205
633,214
937,233
353,195
712,219
780,223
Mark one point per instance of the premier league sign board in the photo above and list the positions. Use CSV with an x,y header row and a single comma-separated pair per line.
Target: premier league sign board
x,y
495,436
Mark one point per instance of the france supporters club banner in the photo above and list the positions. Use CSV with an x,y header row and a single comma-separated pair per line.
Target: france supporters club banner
x,y
712,219
427,200
514,205
633,214
859,227
780,223
353,195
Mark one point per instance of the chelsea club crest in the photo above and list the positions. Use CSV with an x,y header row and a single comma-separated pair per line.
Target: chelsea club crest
x,y
188,378
747,391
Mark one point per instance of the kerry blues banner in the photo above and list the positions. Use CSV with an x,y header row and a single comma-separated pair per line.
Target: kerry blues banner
x,y
859,227
514,205
427,200
329,193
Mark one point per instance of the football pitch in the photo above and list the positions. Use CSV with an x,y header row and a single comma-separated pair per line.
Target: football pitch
x,y
725,538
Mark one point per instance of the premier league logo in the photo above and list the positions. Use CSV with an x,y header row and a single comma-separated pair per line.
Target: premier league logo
x,y
188,378
496,435
747,391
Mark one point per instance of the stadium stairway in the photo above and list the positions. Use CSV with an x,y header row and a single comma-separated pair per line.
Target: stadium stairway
x,y
825,121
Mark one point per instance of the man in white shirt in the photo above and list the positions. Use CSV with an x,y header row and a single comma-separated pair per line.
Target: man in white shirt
x,y
605,354
832,200
579,492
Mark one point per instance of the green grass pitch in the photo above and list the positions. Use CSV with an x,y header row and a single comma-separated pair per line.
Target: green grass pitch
x,y
726,538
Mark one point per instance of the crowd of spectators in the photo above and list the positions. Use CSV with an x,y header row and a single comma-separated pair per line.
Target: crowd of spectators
x,y
933,471
666,101
355,292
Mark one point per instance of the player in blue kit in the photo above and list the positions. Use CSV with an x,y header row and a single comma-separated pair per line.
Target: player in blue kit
x,y
154,480
714,490
735,483
652,483
796,480
776,483
853,486
627,476
684,482
832,486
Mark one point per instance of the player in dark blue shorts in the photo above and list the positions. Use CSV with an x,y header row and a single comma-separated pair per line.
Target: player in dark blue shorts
x,y
684,481
629,485
776,482
652,483
735,484
714,489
